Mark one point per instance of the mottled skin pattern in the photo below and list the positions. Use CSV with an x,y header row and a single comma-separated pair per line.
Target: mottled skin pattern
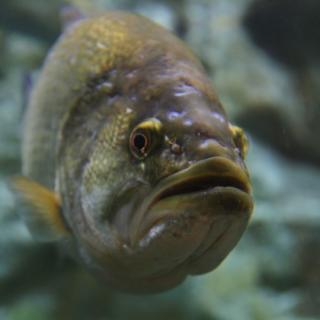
x,y
104,76
86,51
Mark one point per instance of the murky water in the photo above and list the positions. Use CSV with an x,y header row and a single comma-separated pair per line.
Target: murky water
x,y
263,59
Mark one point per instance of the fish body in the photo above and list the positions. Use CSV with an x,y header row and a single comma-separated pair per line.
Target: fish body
x,y
128,156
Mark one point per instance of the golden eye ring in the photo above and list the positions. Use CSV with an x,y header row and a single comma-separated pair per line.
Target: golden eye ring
x,y
144,137
139,143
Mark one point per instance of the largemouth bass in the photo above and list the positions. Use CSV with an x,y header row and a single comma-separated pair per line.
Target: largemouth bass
x,y
129,158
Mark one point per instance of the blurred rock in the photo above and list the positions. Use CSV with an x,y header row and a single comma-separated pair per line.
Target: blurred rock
x,y
24,53
285,191
158,12
34,17
308,269
2,51
43,20
257,90
293,40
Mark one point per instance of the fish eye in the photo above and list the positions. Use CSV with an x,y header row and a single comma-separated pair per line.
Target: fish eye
x,y
144,137
139,142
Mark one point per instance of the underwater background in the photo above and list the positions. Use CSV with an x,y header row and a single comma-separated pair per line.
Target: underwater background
x,y
264,60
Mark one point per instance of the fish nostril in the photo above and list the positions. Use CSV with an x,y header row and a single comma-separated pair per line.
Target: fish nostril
x,y
176,149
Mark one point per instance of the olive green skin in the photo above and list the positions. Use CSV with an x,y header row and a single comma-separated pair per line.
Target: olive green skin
x,y
105,75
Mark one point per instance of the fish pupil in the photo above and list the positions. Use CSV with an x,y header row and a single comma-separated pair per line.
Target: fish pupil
x,y
140,142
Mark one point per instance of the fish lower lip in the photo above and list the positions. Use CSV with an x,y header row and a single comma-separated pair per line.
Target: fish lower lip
x,y
218,200
201,178
199,229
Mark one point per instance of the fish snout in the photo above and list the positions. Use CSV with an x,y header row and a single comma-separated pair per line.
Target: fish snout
x,y
210,147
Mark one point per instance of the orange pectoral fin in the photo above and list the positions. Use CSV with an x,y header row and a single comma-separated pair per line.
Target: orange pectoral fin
x,y
41,208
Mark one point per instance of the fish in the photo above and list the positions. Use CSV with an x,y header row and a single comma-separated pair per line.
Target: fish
x,y
129,161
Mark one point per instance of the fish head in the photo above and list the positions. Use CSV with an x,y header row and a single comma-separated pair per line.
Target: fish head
x,y
179,198
149,183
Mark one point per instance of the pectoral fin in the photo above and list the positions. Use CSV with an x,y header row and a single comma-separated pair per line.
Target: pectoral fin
x,y
41,208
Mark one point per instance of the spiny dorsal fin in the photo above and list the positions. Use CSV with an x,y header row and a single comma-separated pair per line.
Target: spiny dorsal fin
x,y
41,208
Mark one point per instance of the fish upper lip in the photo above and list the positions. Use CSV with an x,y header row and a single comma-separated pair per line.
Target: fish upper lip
x,y
201,183
202,176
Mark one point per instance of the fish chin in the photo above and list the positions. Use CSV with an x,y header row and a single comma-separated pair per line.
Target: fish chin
x,y
198,229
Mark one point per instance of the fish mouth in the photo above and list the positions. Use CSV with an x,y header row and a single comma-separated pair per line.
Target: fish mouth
x,y
186,225
205,179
